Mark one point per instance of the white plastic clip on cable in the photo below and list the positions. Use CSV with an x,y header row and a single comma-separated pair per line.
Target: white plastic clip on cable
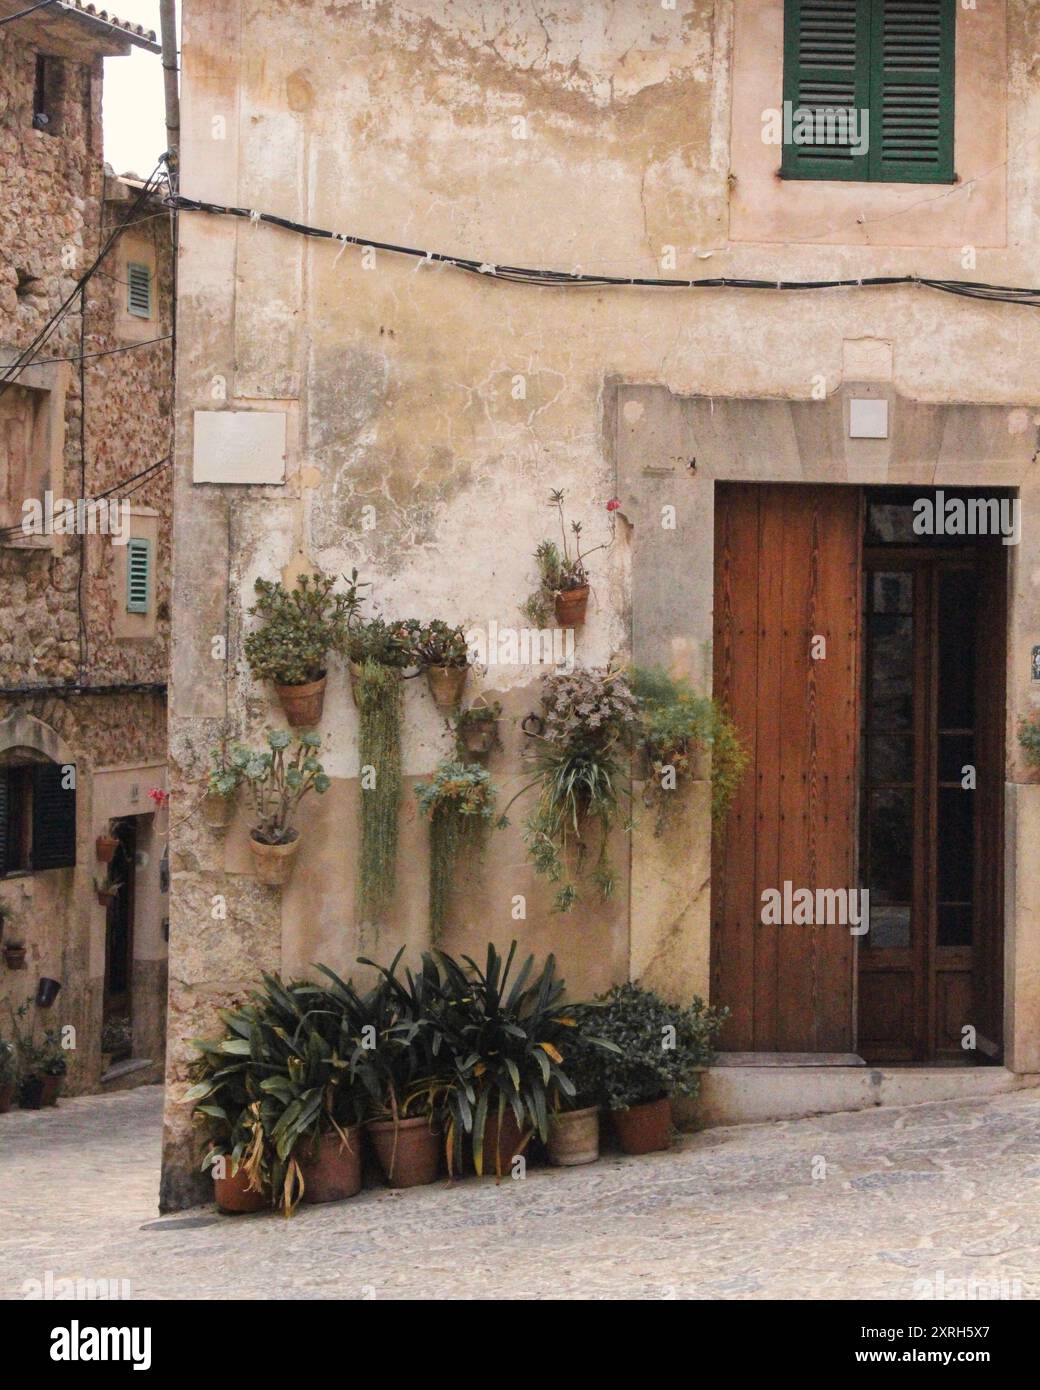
x,y
254,218
342,238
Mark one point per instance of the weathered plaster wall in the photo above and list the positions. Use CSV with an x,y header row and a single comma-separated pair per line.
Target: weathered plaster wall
x,y
401,123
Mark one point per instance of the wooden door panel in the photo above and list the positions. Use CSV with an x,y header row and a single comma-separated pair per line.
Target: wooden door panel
x,y
787,570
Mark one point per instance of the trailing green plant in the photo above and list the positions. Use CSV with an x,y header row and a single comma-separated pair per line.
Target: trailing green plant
x,y
379,701
560,567
1029,738
676,721
299,627
581,762
659,1048
278,780
438,644
460,802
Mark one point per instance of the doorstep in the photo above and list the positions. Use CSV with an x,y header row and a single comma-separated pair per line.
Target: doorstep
x,y
751,1092
133,1071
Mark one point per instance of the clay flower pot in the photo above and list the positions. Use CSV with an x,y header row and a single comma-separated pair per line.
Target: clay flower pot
x,y
570,606
643,1129
331,1169
232,1194
409,1151
508,1140
218,811
303,704
106,896
479,737
446,685
273,864
105,847
574,1137
14,955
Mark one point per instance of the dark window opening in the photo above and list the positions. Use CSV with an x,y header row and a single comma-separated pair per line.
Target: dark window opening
x,y
48,94
37,817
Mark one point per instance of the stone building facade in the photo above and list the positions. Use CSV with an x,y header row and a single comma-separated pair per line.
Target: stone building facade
x,y
82,677
422,415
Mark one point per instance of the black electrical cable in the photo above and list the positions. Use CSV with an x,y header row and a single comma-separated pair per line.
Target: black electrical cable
x,y
42,5
103,352
144,473
1006,294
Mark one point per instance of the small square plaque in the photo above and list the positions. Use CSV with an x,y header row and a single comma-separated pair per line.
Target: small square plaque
x,y
868,418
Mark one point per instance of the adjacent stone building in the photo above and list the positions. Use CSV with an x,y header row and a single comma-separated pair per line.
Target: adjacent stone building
x,y
84,616
343,405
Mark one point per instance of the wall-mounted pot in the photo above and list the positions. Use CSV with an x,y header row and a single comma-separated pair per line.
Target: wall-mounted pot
x,y
15,953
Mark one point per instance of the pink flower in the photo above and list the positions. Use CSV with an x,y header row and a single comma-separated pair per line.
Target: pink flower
x,y
158,795
613,504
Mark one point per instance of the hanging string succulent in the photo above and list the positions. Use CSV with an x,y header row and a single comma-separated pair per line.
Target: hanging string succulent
x,y
460,801
379,701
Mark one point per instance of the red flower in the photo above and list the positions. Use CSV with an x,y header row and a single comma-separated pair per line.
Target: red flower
x,y
158,795
613,504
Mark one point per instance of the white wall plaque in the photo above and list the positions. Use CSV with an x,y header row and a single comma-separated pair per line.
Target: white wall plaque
x,y
239,446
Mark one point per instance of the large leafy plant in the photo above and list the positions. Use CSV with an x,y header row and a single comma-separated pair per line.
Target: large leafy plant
x,y
676,722
460,802
660,1048
278,780
299,627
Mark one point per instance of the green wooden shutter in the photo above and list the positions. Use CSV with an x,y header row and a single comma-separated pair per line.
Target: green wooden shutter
x,y
826,70
913,46
54,818
138,574
139,290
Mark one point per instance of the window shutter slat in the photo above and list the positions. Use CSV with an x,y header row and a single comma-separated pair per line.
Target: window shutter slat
x,y
139,290
912,91
138,574
827,74
54,819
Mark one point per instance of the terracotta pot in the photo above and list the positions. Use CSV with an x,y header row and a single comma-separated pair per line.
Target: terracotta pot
x,y
479,738
14,956
643,1129
105,898
446,685
409,1151
331,1168
570,605
7,1089
52,1089
234,1197
303,704
574,1137
510,1140
105,847
273,864
218,811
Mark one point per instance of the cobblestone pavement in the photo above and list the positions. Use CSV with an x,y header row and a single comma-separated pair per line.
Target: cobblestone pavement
x,y
905,1203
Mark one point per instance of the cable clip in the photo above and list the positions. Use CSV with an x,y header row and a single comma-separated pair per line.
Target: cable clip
x,y
254,218
486,268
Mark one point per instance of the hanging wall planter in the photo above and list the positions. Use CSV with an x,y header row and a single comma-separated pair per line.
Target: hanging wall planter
x,y
217,811
460,802
303,704
15,954
446,686
443,652
274,864
571,605
476,729
278,781
105,847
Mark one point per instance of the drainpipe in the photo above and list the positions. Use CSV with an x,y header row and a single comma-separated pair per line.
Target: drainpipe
x,y
168,28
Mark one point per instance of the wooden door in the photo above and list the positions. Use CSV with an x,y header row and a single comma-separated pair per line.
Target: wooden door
x,y
787,574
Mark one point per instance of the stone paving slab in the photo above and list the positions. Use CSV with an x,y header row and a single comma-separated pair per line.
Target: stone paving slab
x,y
889,1203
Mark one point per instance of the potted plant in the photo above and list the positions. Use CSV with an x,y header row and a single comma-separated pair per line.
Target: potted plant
x,y
105,847
443,653
41,1066
661,1050
407,1072
476,728
225,1106
460,802
378,642
581,763
574,1126
299,627
15,955
105,891
8,1074
222,785
563,579
676,725
278,780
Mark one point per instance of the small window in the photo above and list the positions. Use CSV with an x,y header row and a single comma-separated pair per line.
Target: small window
x,y
48,94
138,575
869,90
139,290
37,818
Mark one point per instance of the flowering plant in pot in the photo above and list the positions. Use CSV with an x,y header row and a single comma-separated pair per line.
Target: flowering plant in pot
x,y
278,780
299,627
581,763
661,1049
408,1071
476,728
460,803
676,724
563,579
444,655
